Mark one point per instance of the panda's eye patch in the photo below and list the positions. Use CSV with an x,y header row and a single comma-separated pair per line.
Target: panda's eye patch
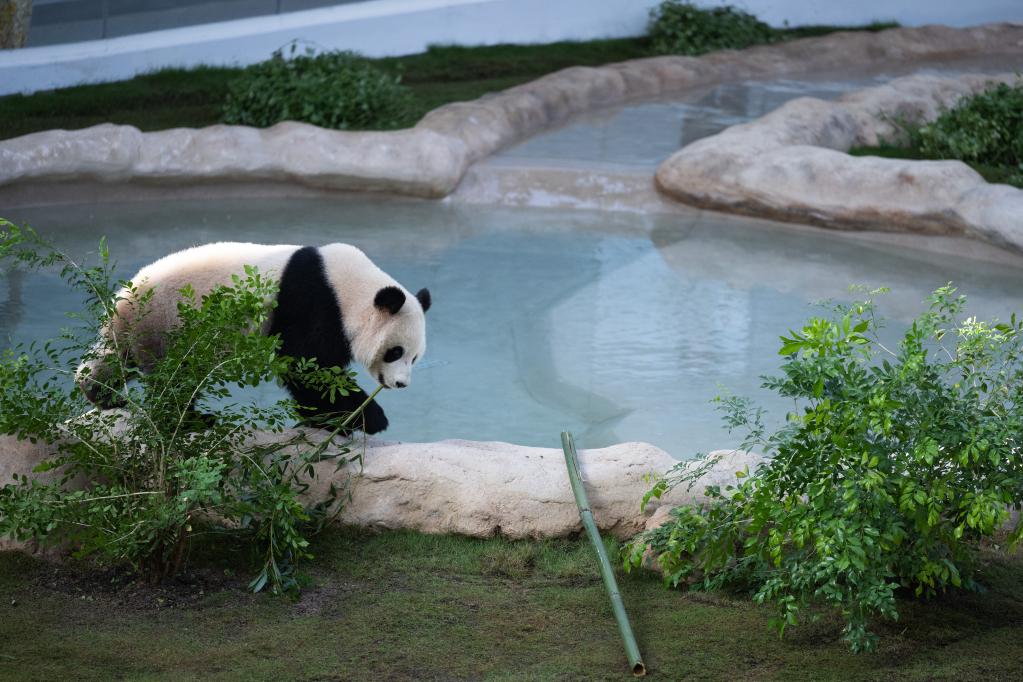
x,y
393,354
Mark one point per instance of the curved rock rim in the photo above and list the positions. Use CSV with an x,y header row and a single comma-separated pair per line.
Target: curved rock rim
x,y
791,165
473,488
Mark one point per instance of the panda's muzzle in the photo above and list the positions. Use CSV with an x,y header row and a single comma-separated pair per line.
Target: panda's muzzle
x,y
397,384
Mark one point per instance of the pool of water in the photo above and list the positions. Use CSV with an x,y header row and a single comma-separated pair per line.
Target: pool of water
x,y
646,133
617,327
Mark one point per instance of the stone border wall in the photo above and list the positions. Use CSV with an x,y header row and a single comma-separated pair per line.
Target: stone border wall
x,y
430,159
789,165
479,489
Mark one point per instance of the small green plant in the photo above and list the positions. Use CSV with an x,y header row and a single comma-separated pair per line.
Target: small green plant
x,y
332,90
678,27
899,464
135,484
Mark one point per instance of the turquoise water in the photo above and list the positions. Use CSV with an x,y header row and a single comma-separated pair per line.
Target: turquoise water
x,y
646,133
617,327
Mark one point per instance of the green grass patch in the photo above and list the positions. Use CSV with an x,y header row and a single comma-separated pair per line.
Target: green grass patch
x,y
194,98
406,606
984,130
165,99
816,30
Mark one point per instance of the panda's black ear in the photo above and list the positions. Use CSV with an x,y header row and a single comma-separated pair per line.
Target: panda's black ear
x,y
390,299
424,298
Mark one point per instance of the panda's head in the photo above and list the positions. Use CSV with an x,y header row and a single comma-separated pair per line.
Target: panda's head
x,y
384,324
397,339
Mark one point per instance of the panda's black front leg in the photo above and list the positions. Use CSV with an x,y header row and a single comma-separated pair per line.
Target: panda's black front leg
x,y
371,420
316,409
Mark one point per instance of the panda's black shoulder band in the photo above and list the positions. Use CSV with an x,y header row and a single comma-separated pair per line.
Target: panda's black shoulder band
x,y
308,317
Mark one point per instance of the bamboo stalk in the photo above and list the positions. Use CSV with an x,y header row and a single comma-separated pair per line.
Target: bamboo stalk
x,y
360,408
610,584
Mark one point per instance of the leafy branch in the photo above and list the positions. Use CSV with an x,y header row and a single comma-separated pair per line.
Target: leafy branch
x,y
897,466
136,483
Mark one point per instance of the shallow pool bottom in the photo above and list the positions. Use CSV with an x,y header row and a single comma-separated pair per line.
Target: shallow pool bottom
x,y
616,327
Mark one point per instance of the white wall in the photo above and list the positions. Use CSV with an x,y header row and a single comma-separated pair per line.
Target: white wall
x,y
394,27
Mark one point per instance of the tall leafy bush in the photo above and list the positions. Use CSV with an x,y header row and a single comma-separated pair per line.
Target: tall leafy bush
x,y
898,465
678,27
136,484
331,90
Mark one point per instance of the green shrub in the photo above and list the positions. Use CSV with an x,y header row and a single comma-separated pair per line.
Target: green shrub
x,y
157,471
897,466
986,128
678,27
331,90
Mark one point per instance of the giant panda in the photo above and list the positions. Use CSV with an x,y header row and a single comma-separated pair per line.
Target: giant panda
x,y
333,304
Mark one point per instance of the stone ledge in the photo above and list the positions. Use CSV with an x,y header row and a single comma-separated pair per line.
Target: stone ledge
x,y
430,159
790,165
601,188
482,489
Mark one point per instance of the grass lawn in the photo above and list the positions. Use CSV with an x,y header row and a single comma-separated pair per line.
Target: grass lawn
x,y
404,606
193,98
1001,174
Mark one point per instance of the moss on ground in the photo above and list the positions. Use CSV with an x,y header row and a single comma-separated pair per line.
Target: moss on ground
x,y
405,606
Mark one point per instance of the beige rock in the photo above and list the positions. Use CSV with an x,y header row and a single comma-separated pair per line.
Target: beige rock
x,y
18,458
414,162
790,165
482,489
430,159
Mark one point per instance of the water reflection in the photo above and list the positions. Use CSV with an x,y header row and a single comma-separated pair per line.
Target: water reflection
x,y
615,327
13,308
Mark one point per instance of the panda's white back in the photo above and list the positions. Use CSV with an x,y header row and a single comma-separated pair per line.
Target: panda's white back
x,y
201,267
207,266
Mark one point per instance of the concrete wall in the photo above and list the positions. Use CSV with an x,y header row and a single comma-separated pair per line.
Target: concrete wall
x,y
55,22
393,27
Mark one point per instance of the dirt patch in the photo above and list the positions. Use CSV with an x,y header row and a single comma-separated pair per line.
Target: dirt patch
x,y
326,599
121,586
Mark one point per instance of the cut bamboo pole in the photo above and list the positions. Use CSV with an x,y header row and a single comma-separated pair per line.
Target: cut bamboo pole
x,y
576,479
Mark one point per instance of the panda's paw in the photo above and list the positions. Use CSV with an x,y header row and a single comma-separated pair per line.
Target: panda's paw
x,y
198,421
373,419
102,396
